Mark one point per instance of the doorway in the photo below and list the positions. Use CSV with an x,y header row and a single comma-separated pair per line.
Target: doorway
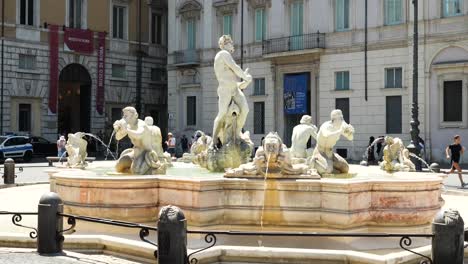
x,y
74,101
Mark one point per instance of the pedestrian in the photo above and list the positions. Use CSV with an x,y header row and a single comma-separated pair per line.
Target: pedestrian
x,y
171,144
61,142
378,149
370,151
456,151
184,143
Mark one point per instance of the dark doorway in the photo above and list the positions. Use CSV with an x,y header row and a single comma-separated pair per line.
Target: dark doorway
x,y
74,102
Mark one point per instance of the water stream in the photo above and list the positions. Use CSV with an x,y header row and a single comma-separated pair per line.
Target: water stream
x,y
422,160
260,242
110,141
100,141
63,155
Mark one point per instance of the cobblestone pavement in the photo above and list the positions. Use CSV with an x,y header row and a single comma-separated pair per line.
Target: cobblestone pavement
x,y
30,256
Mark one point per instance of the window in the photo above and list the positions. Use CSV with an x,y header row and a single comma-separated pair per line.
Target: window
x,y
260,24
259,117
342,80
451,8
393,78
259,86
453,98
27,12
343,105
118,70
342,15
75,8
393,115
27,62
24,116
191,110
156,29
158,74
296,40
118,22
393,12
191,31
227,25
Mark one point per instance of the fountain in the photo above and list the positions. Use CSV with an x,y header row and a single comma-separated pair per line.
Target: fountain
x,y
280,189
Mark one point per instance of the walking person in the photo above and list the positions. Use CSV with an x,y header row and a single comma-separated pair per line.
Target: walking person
x,y
456,151
171,144
370,152
61,142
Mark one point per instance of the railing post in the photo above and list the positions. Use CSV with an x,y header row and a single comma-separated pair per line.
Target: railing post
x,y
49,224
448,240
9,171
172,236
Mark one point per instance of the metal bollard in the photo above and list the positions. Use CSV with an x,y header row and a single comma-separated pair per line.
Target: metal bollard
x,y
172,236
448,240
9,171
49,225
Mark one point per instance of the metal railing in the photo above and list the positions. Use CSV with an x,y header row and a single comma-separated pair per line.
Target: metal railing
x,y
211,239
172,233
187,57
292,43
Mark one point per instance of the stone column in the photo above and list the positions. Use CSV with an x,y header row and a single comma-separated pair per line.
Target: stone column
x,y
172,236
448,240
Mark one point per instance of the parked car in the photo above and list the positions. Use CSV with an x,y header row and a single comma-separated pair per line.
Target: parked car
x,y
16,147
43,147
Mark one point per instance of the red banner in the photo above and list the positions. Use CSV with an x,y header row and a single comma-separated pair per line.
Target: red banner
x,y
79,40
53,62
101,72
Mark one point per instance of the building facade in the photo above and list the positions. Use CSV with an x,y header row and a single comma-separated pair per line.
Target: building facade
x,y
72,65
314,49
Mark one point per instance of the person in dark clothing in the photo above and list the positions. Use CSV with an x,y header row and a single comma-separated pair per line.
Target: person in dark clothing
x,y
184,143
370,151
381,139
456,151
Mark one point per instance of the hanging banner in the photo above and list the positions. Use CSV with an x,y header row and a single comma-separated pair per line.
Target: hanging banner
x,y
53,71
295,93
101,72
78,40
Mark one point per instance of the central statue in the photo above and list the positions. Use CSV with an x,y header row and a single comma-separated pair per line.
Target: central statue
x,y
230,147
146,156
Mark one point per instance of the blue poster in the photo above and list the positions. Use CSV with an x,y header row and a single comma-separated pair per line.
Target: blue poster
x,y
295,93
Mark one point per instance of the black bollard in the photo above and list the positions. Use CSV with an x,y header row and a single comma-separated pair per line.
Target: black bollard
x,y
448,240
172,236
49,224
9,171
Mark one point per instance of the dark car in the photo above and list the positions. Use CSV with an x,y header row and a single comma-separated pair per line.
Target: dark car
x,y
43,147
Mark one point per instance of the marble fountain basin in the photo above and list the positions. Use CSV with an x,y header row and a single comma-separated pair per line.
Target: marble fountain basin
x,y
371,198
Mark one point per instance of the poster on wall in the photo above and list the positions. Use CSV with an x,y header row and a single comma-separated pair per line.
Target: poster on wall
x,y
295,93
53,62
78,40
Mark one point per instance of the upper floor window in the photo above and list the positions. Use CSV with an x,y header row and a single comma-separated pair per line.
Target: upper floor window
x,y
259,86
191,34
227,25
341,15
393,12
342,80
75,13
27,12
260,24
451,8
297,14
156,28
119,20
393,78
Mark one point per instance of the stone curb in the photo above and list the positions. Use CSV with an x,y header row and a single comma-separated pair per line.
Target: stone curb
x,y
4,186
